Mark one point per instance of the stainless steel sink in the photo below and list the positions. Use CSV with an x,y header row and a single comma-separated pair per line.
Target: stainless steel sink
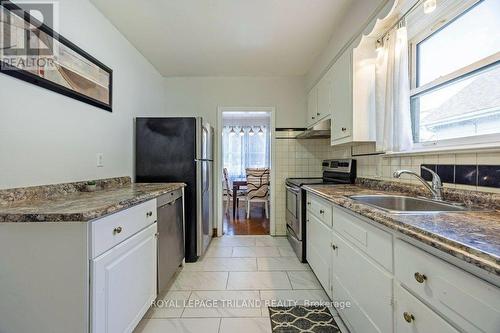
x,y
396,204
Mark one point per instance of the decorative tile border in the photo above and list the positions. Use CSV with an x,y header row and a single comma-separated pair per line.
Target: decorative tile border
x,y
465,174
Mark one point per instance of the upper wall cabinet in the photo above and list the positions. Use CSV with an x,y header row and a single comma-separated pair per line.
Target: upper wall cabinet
x,y
342,117
342,95
312,106
319,100
324,96
352,121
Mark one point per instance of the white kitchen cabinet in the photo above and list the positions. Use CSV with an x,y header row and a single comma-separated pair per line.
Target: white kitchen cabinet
x,y
129,222
321,208
412,316
351,97
81,277
358,279
374,242
384,277
342,117
462,298
312,106
318,241
123,283
324,97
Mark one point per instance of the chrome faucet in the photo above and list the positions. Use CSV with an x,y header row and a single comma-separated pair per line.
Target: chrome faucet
x,y
436,188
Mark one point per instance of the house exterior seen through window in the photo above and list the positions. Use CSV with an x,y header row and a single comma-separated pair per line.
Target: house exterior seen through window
x,y
456,76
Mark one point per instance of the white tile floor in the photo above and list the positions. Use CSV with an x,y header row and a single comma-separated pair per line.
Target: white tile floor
x,y
229,289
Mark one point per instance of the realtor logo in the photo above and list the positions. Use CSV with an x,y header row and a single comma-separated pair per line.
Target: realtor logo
x,y
25,43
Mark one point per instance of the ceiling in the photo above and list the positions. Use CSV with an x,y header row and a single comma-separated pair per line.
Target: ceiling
x,y
227,37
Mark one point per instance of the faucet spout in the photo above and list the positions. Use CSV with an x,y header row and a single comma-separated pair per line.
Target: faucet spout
x,y
436,187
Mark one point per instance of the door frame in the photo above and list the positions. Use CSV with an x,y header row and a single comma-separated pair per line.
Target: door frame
x,y
218,175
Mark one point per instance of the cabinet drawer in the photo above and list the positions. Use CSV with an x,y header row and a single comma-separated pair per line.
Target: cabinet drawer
x,y
373,241
321,208
356,278
467,301
115,228
412,316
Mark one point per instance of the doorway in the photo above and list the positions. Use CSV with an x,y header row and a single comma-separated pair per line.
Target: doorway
x,y
246,195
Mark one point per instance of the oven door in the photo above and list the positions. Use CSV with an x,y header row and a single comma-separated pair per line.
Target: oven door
x,y
293,210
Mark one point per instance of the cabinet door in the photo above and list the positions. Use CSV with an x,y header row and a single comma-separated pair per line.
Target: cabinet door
x,y
412,316
312,106
124,283
357,279
342,97
318,250
464,299
324,94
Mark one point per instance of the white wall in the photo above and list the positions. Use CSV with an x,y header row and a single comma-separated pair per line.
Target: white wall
x,y
49,138
352,23
188,96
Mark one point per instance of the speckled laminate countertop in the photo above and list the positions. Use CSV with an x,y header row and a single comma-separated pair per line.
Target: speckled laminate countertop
x,y
83,206
472,236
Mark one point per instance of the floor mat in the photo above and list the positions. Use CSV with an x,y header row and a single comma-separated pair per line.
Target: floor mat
x,y
298,319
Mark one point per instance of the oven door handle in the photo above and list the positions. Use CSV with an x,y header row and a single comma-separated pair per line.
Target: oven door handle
x,y
293,189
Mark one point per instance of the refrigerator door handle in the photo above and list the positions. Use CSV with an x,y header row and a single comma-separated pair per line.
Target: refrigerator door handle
x,y
208,176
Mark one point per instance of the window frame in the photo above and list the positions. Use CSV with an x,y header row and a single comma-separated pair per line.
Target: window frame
x,y
461,73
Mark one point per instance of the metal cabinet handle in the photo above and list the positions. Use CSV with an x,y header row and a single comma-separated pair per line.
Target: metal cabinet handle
x,y
408,317
148,214
321,211
420,277
309,203
117,230
317,113
344,129
334,246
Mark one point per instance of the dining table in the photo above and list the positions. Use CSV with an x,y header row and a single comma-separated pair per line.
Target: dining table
x,y
237,184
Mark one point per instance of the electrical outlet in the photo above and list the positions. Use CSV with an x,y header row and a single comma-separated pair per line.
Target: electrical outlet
x,y
100,160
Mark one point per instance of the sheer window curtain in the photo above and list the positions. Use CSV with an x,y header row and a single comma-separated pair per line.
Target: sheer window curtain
x,y
247,151
392,93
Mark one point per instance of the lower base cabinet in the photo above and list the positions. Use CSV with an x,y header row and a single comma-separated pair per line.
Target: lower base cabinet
x,y
355,278
412,316
123,283
319,251
392,285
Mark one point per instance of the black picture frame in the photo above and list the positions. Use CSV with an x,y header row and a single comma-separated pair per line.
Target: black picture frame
x,y
47,84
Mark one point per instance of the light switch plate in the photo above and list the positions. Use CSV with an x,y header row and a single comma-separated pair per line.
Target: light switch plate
x,y
100,160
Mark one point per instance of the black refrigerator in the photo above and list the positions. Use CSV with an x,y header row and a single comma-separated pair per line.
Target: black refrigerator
x,y
180,149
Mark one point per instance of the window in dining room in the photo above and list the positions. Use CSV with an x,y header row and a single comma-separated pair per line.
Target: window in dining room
x,y
246,151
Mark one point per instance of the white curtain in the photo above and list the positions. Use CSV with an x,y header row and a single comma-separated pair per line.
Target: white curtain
x,y
392,93
247,151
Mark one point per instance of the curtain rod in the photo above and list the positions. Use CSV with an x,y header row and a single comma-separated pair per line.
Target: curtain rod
x,y
401,19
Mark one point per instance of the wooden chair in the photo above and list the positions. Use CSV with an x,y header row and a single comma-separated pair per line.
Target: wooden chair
x,y
228,192
258,188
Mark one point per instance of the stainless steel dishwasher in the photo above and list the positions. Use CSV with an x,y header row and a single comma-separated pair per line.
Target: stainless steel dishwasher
x,y
170,236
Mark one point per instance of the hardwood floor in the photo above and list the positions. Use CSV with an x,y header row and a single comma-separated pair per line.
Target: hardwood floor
x,y
258,224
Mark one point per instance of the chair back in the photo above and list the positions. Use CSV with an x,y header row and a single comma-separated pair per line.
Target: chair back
x,y
257,183
227,188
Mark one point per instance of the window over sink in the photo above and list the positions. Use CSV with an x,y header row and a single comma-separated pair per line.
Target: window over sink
x,y
455,73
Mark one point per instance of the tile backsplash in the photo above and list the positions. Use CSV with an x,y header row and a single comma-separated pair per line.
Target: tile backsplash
x,y
302,158
458,170
298,158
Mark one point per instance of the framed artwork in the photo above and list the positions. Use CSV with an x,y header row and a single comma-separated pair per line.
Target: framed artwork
x,y
32,51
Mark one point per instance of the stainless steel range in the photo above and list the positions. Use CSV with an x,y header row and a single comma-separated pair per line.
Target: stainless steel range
x,y
335,172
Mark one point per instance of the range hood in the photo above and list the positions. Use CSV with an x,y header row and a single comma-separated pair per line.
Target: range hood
x,y
319,130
